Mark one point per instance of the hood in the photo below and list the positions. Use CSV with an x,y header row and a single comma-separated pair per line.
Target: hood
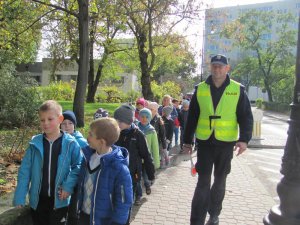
x,y
117,156
77,134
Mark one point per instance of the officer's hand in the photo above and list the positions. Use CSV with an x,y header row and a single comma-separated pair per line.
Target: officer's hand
x,y
240,147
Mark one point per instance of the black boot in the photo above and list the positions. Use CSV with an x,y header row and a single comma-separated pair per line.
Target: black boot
x,y
213,220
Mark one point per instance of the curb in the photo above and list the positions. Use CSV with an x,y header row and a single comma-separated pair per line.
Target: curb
x,y
276,117
266,146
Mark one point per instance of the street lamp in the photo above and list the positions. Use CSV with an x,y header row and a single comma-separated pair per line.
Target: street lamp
x,y
288,189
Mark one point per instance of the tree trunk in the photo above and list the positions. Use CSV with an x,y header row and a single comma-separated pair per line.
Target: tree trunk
x,y
94,84
90,97
268,89
83,22
145,79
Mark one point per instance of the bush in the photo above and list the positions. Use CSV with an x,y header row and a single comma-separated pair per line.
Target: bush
x,y
110,94
19,100
259,103
131,96
277,107
59,91
101,97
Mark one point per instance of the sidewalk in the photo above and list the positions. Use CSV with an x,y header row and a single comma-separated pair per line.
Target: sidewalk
x,y
246,200
269,140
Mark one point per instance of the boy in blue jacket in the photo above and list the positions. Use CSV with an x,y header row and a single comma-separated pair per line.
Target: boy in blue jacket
x,y
49,169
105,187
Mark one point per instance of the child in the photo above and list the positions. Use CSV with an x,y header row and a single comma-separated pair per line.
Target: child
x,y
100,113
159,126
139,105
49,169
105,186
182,116
166,101
176,121
144,125
169,125
68,125
134,141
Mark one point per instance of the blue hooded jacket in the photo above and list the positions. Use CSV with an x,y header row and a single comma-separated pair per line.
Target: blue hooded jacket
x,y
80,139
31,171
112,194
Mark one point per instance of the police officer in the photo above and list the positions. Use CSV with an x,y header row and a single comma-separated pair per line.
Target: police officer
x,y
220,116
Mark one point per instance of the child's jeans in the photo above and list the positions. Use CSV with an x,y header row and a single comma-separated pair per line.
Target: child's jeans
x,y
139,190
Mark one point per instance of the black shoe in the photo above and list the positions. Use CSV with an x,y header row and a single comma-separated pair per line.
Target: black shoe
x,y
213,220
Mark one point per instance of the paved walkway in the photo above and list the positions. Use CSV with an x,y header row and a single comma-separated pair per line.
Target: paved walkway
x,y
246,201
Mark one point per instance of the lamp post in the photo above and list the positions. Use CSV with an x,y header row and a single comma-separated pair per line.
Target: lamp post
x,y
288,189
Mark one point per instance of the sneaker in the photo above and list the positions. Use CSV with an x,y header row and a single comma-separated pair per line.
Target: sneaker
x,y
138,201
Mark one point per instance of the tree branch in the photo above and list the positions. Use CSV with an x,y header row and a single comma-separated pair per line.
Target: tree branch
x,y
58,8
34,22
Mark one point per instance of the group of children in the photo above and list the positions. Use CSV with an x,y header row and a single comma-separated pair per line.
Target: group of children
x,y
101,176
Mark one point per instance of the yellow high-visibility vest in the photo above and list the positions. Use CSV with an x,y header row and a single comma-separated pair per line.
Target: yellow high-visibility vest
x,y
223,121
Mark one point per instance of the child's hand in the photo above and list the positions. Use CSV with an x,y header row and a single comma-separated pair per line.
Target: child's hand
x,y
63,194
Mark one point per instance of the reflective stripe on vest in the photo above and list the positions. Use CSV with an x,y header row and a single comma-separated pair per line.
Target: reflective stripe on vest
x,y
223,121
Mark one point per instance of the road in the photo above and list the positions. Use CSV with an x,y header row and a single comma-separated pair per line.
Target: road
x,y
266,162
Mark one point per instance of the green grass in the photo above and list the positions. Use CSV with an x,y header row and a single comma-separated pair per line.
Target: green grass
x,y
90,108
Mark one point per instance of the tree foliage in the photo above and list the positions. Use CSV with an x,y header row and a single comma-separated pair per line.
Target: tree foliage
x,y
175,58
271,56
153,18
20,30
169,87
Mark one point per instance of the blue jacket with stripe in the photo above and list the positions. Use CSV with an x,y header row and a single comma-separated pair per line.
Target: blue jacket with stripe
x,y
31,171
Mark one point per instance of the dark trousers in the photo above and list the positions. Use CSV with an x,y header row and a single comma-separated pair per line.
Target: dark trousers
x,y
209,198
84,219
45,214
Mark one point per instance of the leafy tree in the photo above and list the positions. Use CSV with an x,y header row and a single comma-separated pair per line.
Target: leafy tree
x,y
20,31
175,58
251,31
169,87
106,22
153,18
80,10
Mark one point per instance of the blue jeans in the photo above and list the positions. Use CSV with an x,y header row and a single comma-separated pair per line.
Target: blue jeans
x,y
176,132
